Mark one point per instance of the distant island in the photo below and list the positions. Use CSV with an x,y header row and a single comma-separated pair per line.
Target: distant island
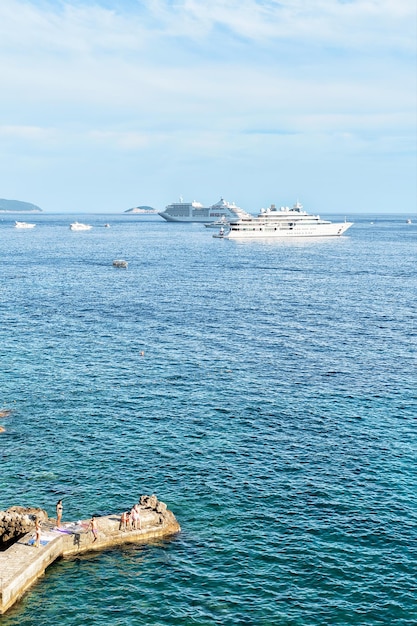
x,y
141,209
17,206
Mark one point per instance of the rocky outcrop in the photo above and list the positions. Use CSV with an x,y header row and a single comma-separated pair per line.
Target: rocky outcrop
x,y
152,502
4,413
16,521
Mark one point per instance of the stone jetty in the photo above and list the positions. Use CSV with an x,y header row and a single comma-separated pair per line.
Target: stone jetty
x,y
22,563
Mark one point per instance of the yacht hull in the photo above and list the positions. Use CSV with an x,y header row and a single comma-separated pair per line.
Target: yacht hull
x,y
258,231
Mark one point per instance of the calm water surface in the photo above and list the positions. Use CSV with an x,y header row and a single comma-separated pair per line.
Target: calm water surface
x,y
274,411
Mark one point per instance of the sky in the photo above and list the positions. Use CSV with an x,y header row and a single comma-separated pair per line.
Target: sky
x,y
111,104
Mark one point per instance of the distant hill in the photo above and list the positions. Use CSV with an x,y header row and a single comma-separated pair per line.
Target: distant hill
x,y
17,206
141,209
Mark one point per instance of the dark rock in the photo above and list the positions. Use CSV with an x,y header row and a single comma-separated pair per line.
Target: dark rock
x,y
149,502
161,507
16,521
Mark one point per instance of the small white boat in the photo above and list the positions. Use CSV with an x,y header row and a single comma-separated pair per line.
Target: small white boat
x,y
408,221
221,223
220,234
24,225
79,226
120,263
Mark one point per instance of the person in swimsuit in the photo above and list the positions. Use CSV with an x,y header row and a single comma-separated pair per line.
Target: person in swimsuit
x,y
133,519
59,509
93,528
123,521
37,533
138,522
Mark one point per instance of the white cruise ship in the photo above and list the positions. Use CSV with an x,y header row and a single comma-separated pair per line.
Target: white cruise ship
x,y
282,222
196,212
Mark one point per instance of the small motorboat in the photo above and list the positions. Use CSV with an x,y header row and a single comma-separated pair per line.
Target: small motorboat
x,y
221,222
220,234
24,225
120,263
79,226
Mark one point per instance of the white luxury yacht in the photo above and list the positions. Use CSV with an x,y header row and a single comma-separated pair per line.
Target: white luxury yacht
x,y
282,222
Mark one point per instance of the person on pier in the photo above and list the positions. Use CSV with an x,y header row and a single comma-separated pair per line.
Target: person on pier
x,y
93,528
135,518
37,533
59,509
124,521
135,523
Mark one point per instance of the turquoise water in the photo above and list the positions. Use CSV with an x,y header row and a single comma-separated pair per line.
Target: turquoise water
x,y
274,411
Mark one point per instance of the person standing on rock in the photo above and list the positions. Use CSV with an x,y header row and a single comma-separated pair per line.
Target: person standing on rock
x,y
59,509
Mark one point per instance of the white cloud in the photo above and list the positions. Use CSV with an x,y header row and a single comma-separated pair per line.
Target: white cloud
x,y
29,133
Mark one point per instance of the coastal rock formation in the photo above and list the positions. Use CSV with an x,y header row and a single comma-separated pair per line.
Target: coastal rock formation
x,y
149,502
17,206
16,521
152,502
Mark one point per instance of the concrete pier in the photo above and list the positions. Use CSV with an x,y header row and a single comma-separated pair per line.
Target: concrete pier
x,y
23,563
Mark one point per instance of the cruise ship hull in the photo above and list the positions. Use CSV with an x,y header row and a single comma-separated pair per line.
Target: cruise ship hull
x,y
189,218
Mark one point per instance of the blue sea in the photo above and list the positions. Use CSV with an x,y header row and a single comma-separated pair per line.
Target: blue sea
x,y
273,410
